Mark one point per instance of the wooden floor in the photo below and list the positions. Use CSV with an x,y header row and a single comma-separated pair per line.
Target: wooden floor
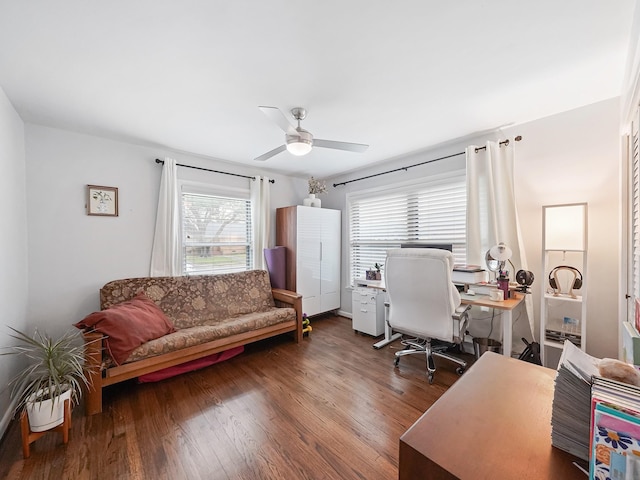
x,y
331,407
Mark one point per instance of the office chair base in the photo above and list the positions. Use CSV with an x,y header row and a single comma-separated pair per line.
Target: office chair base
x,y
429,351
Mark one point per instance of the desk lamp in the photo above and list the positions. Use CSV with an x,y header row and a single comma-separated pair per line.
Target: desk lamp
x,y
496,258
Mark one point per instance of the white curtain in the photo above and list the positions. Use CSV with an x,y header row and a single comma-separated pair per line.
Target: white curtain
x,y
165,254
260,204
492,216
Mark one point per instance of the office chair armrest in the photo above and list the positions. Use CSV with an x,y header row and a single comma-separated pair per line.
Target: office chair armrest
x,y
461,316
461,311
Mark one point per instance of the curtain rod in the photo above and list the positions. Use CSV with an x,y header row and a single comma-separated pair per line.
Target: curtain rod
x,y
214,171
505,142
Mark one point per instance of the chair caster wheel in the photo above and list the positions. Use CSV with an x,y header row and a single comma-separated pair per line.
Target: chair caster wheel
x,y
460,370
396,361
430,375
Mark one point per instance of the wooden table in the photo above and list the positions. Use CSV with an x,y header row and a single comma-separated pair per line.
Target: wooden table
x,y
506,306
493,423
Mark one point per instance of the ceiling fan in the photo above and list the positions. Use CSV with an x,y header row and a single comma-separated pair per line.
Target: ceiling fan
x,y
299,141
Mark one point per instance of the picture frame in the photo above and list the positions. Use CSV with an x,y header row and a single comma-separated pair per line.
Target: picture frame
x,y
102,201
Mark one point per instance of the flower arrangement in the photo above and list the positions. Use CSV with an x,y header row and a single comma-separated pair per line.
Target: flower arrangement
x,y
374,273
317,187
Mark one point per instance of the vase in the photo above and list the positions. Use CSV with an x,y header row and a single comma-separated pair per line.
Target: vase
x,y
307,201
312,201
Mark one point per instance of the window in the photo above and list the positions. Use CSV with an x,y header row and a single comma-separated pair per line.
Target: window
x,y
216,234
430,211
633,280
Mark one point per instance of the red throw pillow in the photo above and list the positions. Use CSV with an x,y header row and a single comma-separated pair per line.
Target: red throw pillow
x,y
128,325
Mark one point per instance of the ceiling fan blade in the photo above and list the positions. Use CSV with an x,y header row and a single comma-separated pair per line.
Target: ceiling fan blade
x,y
279,119
349,147
270,154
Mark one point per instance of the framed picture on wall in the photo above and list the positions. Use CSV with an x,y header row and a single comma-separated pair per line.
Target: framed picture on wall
x,y
102,201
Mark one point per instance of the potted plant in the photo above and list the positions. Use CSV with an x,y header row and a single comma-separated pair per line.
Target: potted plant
x,y
374,273
316,187
54,373
378,266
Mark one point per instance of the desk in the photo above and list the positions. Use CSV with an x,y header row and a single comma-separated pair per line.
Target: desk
x,y
506,306
493,423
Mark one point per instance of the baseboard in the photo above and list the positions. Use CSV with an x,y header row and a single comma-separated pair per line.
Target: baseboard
x,y
342,313
6,418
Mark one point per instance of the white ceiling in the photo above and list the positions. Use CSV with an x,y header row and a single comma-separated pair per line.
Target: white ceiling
x,y
400,76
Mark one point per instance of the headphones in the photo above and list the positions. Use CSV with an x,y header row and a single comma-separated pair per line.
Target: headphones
x,y
555,283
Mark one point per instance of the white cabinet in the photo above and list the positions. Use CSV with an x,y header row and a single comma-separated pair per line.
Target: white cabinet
x,y
312,239
563,311
368,310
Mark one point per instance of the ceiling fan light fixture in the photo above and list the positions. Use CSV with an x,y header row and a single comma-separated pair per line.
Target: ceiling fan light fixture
x,y
299,141
298,148
299,144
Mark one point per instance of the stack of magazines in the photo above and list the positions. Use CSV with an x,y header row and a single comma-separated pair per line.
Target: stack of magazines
x,y
596,418
571,414
615,435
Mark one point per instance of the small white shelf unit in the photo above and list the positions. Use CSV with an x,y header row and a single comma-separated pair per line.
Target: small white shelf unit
x,y
563,311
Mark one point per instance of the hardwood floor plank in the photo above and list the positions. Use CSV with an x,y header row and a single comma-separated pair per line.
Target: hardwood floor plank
x,y
331,407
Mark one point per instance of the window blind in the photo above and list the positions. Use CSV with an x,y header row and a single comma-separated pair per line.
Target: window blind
x,y
216,234
634,241
430,211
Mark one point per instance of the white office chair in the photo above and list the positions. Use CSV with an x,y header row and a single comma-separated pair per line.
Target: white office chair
x,y
424,303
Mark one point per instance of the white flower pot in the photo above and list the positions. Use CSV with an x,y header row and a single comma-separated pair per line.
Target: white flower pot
x,y
312,201
41,416
307,201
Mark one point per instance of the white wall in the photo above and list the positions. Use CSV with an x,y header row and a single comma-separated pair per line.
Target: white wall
x,y
575,157
13,244
71,254
569,157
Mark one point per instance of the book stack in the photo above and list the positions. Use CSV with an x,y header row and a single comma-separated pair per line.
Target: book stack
x,y
560,335
595,418
571,410
615,430
468,274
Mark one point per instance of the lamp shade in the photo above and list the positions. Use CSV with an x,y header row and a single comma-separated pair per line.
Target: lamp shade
x,y
501,252
298,148
564,227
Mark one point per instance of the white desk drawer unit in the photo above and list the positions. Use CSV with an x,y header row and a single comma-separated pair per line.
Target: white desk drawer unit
x,y
368,310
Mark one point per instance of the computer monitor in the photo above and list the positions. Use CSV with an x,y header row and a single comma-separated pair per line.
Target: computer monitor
x,y
440,246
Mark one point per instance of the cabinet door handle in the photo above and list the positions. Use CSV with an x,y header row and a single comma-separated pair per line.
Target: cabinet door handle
x,y
363,310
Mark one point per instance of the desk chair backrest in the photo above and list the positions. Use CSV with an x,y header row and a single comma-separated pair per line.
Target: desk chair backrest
x,y
422,298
